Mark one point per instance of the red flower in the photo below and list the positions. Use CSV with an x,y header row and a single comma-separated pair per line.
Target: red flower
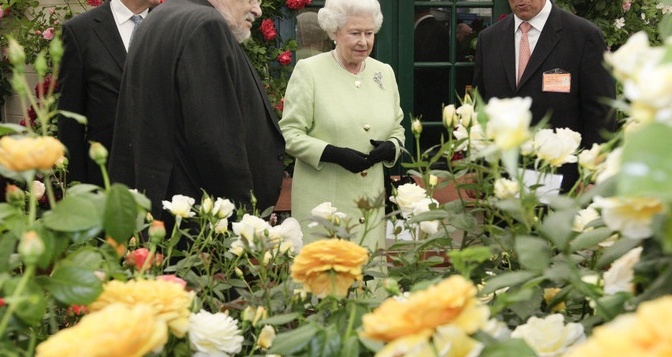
x,y
285,58
138,257
268,29
2,302
501,17
43,87
94,2
297,4
281,105
76,310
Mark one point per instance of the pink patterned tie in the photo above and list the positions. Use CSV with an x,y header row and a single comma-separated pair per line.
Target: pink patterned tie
x,y
524,55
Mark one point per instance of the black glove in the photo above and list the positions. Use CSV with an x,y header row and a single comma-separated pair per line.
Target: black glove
x,y
382,151
349,159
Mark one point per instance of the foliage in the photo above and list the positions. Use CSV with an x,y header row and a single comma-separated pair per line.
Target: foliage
x,y
621,19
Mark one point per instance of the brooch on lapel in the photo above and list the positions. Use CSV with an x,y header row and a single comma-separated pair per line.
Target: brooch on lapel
x,y
378,78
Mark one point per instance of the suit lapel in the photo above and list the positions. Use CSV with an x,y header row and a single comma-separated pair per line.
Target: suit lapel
x,y
270,113
108,33
508,50
549,38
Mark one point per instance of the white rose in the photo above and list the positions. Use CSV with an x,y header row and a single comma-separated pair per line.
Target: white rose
x,y
475,138
288,232
629,58
206,206
222,226
324,210
621,273
237,247
408,195
583,217
509,121
650,94
632,216
505,188
610,166
557,148
549,336
223,208
38,189
591,159
251,228
214,334
180,206
429,227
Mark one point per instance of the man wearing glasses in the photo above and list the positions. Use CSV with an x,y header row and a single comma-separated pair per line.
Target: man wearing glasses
x,y
193,115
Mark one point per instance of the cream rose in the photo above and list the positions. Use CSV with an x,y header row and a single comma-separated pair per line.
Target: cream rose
x,y
508,121
632,216
180,206
621,273
214,334
549,336
505,188
408,195
557,148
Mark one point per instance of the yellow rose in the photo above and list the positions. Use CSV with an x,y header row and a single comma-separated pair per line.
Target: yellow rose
x,y
452,301
116,330
266,337
549,294
329,266
24,153
169,300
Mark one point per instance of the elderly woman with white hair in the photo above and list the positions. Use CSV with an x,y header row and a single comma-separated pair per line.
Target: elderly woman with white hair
x,y
342,123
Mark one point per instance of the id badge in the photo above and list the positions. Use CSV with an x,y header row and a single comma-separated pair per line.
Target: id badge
x,y
557,80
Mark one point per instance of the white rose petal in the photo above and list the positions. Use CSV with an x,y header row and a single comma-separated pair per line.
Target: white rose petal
x,y
214,334
549,336
621,273
180,206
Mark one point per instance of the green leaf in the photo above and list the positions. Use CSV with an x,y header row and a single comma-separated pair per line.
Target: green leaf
x,y
31,305
74,213
280,319
509,348
7,247
74,285
646,170
350,347
7,210
590,239
288,343
616,251
10,128
327,343
534,253
509,279
120,212
81,119
558,227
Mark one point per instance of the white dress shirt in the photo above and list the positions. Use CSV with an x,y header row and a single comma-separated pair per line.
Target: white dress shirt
x,y
122,17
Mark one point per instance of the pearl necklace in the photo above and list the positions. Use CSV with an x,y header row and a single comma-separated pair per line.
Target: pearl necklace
x,y
362,66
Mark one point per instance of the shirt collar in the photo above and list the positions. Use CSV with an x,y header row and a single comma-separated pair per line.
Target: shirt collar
x,y
122,13
538,21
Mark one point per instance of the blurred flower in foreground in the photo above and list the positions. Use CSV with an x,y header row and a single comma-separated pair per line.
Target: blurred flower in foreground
x,y
24,153
169,300
643,333
632,216
116,330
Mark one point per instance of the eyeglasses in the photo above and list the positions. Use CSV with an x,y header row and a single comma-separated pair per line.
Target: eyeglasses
x,y
255,2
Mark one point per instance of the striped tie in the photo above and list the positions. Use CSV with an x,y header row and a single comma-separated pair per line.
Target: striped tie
x,y
524,55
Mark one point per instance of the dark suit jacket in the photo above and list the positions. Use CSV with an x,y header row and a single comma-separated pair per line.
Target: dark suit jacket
x,y
567,42
89,80
431,85
193,114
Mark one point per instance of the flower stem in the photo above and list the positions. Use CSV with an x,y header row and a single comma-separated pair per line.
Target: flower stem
x,y
12,305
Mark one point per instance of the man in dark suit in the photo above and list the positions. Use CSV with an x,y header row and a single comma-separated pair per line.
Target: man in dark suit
x,y
95,44
565,75
193,114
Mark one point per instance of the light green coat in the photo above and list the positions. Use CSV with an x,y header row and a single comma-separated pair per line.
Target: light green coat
x,y
325,104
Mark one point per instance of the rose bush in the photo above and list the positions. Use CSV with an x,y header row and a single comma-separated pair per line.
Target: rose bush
x,y
504,269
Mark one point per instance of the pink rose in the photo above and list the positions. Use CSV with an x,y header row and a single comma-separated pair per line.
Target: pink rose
x,y
268,29
48,34
626,5
172,278
281,105
285,58
138,257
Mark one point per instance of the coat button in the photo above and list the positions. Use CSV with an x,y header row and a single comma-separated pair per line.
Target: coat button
x,y
367,127
364,173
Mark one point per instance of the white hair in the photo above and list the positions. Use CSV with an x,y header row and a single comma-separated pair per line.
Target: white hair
x,y
335,14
